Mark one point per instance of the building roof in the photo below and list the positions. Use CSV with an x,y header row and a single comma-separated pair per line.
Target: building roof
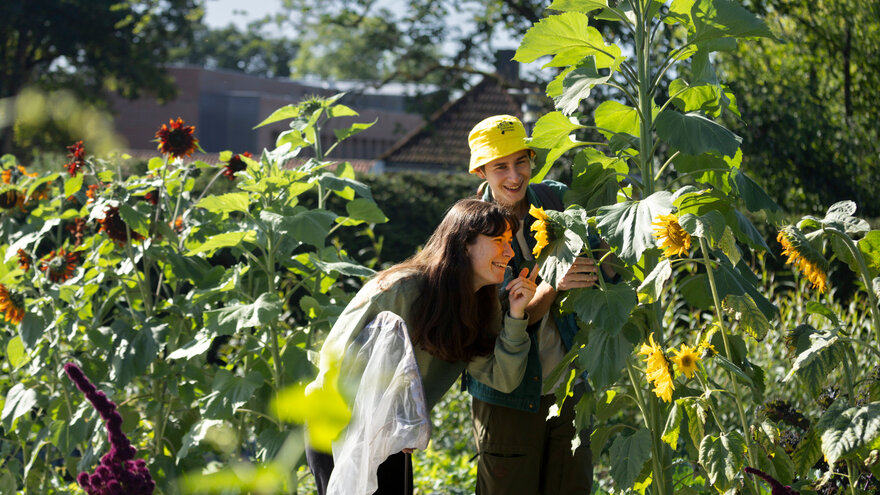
x,y
441,143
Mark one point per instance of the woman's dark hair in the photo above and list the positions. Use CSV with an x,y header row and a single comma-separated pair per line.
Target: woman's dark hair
x,y
449,320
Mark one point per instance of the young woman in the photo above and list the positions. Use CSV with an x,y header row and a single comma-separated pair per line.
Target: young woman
x,y
447,297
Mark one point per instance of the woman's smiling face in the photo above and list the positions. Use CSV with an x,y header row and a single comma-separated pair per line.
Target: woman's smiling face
x,y
489,256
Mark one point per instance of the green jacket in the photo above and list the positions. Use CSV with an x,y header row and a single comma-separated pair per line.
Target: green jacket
x,y
503,370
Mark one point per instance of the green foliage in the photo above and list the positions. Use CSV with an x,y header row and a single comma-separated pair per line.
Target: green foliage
x,y
192,311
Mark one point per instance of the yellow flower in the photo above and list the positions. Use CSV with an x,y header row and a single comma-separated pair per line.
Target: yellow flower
x,y
12,304
800,254
657,371
675,240
686,360
707,349
539,226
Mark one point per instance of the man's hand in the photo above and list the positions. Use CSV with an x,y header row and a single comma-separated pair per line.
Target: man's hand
x,y
582,273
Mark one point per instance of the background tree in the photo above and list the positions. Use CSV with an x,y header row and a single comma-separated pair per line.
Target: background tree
x,y
90,46
252,50
811,103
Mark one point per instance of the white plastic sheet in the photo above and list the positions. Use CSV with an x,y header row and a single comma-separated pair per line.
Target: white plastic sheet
x,y
389,412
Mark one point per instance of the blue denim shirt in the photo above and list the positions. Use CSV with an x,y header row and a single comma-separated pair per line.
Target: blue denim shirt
x,y
527,396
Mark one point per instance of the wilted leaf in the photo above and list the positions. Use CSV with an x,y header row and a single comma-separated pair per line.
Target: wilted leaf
x,y
814,365
722,457
743,309
846,430
649,290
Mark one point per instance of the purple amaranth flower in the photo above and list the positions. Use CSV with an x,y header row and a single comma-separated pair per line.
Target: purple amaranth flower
x,y
118,472
776,488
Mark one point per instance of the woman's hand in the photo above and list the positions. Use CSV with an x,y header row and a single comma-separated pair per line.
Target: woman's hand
x,y
520,292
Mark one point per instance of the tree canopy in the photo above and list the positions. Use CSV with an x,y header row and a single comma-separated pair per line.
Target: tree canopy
x,y
90,46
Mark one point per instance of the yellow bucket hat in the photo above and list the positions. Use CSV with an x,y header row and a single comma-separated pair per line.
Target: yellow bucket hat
x,y
494,138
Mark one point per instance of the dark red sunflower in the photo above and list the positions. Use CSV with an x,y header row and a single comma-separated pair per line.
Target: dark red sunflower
x,y
77,155
115,227
176,139
59,265
91,191
235,165
152,197
24,260
77,230
12,304
10,198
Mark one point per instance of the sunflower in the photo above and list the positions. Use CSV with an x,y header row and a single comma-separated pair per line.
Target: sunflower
x,y
152,197
686,360
177,224
77,155
657,371
7,176
675,240
11,198
12,304
24,260
177,140
115,227
91,192
706,349
59,266
77,230
235,165
800,254
541,228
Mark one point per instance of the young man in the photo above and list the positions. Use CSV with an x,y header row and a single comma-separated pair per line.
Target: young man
x,y
520,450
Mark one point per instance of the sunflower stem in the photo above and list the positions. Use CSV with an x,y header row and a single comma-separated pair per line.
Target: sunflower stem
x,y
727,349
649,415
863,271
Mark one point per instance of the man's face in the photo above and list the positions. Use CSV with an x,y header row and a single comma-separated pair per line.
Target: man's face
x,y
508,177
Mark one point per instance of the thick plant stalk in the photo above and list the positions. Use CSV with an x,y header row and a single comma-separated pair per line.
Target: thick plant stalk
x,y
727,349
659,480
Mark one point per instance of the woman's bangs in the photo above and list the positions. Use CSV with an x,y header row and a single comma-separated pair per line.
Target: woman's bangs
x,y
499,222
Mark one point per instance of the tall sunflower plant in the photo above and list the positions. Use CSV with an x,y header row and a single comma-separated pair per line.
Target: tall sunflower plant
x,y
659,178
193,311
828,352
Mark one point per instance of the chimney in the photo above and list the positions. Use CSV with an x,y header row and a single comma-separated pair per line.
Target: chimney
x,y
506,67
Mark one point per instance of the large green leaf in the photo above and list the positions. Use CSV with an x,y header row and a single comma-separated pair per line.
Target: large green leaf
x,y
229,392
732,280
604,356
197,432
814,365
613,117
709,226
650,289
225,203
594,180
578,84
365,210
226,239
628,225
73,185
283,113
553,133
846,430
807,452
694,134
306,226
722,458
709,20
15,352
133,351
570,38
358,127
31,328
672,429
339,184
700,97
136,220
558,257
585,6
607,309
628,455
753,195
19,401
196,347
343,267
744,310
870,249
226,321
745,231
